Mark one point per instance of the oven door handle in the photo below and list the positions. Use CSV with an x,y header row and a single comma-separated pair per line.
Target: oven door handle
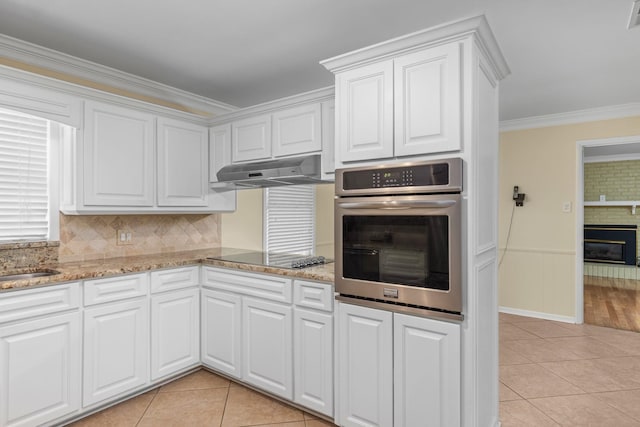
x,y
394,204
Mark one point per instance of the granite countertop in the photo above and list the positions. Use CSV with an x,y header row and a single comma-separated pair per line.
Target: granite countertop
x,y
114,266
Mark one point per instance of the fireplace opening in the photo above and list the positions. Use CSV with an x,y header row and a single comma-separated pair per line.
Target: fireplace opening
x,y
614,244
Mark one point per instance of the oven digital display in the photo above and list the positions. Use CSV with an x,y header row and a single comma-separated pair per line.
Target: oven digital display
x,y
404,176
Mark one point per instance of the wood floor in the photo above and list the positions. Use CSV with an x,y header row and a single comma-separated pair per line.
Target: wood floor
x,y
614,303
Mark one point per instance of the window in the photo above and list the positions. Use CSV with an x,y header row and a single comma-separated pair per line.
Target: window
x,y
27,200
289,217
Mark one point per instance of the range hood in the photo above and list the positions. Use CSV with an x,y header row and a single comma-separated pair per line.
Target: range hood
x,y
270,173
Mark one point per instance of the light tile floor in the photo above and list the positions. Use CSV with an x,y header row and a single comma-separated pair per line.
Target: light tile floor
x,y
201,399
559,374
551,374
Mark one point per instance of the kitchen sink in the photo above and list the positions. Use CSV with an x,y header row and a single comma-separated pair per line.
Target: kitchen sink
x,y
28,275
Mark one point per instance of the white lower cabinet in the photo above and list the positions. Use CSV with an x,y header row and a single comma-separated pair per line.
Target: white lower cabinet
x,y
40,364
365,366
267,358
116,349
175,332
221,332
426,372
270,333
397,370
313,360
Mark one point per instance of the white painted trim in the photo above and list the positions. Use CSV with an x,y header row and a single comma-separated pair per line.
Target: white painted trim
x,y
85,93
537,315
579,242
28,53
540,251
612,158
572,117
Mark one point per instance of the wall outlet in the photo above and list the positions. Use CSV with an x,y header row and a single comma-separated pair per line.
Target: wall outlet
x,y
123,237
566,207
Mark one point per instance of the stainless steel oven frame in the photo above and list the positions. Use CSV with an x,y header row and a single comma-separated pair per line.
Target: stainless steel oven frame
x,y
446,201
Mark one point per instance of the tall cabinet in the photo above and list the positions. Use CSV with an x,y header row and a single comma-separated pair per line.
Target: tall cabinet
x,y
429,95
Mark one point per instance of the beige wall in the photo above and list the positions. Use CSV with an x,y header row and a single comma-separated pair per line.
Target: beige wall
x,y
537,273
324,220
243,228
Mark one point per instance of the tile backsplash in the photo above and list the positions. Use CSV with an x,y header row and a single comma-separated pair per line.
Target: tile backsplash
x,y
89,237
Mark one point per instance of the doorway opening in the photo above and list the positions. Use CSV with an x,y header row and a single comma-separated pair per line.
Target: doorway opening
x,y
607,272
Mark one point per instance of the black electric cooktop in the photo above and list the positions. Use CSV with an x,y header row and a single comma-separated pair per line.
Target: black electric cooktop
x,y
271,259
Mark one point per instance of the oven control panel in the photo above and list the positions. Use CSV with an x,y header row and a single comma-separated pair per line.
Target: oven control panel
x,y
402,176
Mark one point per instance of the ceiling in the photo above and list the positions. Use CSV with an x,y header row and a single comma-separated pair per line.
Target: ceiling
x,y
564,55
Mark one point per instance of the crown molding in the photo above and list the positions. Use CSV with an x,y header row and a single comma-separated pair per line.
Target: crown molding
x,y
572,117
438,35
57,62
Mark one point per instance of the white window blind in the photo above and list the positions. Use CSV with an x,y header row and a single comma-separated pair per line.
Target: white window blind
x,y
289,219
24,194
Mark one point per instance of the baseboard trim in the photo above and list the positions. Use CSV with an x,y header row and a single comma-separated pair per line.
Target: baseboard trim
x,y
537,314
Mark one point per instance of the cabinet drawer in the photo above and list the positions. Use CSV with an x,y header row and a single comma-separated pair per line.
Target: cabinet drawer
x,y
176,278
274,288
116,288
18,305
313,295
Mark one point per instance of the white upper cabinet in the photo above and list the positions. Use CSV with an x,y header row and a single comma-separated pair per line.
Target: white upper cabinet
x,y
251,139
293,126
328,136
127,161
219,149
364,98
182,163
406,106
427,101
297,130
118,156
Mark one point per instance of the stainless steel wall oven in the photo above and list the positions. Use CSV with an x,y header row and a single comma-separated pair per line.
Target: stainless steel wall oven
x,y
398,237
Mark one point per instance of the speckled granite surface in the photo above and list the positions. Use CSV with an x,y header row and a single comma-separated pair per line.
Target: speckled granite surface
x,y
113,266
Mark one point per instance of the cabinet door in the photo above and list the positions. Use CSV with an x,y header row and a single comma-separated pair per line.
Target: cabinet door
x,y
365,373
221,329
40,370
267,346
313,360
183,173
251,139
426,372
219,149
427,101
297,130
116,349
175,332
364,112
118,156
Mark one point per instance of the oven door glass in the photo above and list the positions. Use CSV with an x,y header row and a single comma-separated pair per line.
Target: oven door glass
x,y
397,249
